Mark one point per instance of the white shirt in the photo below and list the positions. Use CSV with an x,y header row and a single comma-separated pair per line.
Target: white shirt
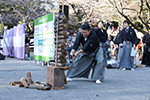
x,y
85,39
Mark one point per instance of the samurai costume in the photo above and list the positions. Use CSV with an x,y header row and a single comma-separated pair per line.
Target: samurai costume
x,y
92,55
128,38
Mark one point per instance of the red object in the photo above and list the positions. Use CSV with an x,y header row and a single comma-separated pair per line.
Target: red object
x,y
139,45
112,28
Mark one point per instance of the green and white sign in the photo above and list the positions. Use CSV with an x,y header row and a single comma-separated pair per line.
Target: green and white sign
x,y
44,47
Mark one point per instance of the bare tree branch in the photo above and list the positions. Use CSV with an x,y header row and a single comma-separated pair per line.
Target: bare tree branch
x,y
127,17
141,7
147,4
130,9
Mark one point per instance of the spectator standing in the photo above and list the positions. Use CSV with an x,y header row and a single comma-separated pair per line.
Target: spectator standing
x,y
127,40
120,28
74,38
69,39
27,49
146,54
102,38
139,48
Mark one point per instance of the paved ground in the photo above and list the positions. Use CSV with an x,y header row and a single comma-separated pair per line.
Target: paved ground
x,y
118,84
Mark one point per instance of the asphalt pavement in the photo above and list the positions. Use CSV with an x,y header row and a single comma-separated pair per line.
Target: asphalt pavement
x,y
117,85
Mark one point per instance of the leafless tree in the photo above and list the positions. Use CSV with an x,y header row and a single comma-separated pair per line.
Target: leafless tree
x,y
90,11
135,11
24,11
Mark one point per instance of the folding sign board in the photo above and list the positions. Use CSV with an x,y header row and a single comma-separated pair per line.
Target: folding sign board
x,y
44,38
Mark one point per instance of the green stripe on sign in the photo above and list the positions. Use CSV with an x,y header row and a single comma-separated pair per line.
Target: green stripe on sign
x,y
44,34
42,58
43,19
45,45
48,33
36,22
50,17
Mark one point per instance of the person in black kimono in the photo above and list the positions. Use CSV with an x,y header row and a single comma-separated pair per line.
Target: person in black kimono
x,y
127,40
102,38
87,56
116,41
146,53
101,33
27,48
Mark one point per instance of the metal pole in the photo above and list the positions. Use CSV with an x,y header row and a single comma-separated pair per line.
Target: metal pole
x,y
57,37
62,6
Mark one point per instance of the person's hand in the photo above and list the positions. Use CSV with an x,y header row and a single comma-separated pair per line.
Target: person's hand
x,y
72,52
78,52
134,46
121,45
